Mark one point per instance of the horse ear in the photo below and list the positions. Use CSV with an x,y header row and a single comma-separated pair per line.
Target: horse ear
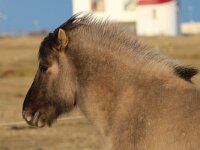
x,y
62,38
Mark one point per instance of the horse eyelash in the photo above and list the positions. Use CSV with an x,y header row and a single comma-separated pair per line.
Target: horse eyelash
x,y
43,68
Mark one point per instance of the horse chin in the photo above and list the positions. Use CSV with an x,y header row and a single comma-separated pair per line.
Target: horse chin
x,y
56,112
53,116
50,121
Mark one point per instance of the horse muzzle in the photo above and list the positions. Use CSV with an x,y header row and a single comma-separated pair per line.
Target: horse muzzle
x,y
36,120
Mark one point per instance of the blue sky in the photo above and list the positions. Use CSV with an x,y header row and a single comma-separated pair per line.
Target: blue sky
x,y
30,15
23,16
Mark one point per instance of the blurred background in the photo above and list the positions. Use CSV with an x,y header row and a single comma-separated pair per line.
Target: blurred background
x,y
171,26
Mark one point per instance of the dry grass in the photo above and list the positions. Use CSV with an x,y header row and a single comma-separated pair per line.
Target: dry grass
x,y
18,64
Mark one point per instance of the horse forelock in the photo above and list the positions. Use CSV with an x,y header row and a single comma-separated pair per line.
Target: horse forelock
x,y
46,46
49,41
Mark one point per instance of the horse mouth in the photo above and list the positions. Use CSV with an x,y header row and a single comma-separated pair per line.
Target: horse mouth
x,y
36,120
44,115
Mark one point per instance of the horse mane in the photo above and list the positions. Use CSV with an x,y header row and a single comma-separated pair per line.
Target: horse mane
x,y
112,36
185,72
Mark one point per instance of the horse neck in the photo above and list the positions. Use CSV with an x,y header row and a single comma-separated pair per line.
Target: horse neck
x,y
90,54
104,77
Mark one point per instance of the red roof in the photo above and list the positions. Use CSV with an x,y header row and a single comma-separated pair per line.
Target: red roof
x,y
146,2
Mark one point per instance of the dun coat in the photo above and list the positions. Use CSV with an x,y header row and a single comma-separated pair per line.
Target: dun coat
x,y
138,98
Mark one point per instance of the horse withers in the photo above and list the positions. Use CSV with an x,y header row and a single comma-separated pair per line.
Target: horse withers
x,y
138,98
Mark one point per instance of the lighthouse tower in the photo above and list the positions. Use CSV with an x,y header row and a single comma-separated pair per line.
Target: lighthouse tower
x,y
158,17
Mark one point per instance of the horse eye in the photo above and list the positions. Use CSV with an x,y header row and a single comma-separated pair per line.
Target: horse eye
x,y
43,69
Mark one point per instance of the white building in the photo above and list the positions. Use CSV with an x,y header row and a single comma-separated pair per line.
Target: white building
x,y
146,17
157,17
190,28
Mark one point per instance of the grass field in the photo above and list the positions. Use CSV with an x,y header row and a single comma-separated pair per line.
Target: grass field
x,y
18,63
